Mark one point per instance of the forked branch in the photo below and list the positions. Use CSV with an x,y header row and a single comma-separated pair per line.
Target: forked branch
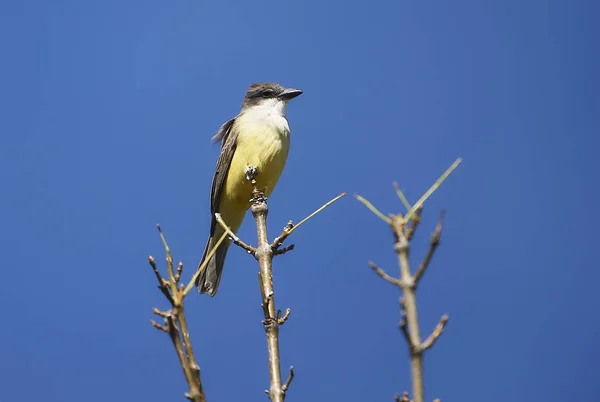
x,y
174,321
403,228
264,253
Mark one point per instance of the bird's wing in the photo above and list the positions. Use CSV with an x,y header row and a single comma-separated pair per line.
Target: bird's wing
x,y
228,138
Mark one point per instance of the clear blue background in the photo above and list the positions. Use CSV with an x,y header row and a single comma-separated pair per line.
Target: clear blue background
x,y
107,110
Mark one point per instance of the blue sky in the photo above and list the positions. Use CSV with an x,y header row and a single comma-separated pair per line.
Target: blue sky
x,y
107,113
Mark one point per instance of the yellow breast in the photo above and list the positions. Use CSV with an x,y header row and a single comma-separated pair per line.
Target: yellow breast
x,y
263,141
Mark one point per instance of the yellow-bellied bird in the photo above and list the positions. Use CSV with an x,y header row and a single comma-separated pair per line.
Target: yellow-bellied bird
x,y
258,136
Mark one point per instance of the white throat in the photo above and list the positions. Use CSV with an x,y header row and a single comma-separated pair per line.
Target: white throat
x,y
272,106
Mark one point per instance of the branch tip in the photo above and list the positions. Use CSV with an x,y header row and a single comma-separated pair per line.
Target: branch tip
x,y
434,187
293,227
179,270
382,274
284,250
435,334
287,383
281,320
372,208
401,196
159,327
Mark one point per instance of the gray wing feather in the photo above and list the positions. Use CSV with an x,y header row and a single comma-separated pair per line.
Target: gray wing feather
x,y
208,280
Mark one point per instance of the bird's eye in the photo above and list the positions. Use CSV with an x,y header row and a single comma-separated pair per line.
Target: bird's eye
x,y
267,94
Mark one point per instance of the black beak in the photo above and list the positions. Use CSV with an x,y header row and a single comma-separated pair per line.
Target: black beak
x,y
289,93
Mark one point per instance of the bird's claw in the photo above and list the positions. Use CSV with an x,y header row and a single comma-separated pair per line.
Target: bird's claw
x,y
251,173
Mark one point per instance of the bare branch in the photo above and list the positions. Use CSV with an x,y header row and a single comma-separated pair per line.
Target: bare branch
x,y
278,241
431,339
158,326
403,324
401,196
383,275
432,189
433,245
290,227
284,250
176,325
328,203
236,240
373,209
404,228
202,266
281,320
178,274
289,379
416,219
162,283
163,314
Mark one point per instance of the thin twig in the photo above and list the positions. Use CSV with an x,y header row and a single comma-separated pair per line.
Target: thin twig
x,y
382,274
434,242
158,326
403,324
414,223
162,284
169,258
178,274
289,379
284,250
281,320
236,240
278,241
401,196
290,227
202,266
373,209
435,334
328,203
175,323
432,189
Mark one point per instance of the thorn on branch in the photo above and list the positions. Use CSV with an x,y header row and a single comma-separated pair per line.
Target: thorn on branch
x,y
382,274
435,334
281,320
287,383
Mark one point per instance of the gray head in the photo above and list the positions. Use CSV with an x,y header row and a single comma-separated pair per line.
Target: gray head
x,y
268,93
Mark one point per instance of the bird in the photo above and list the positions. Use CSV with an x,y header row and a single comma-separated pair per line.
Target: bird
x,y
259,136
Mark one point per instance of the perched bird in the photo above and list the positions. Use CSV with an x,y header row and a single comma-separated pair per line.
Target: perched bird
x,y
258,136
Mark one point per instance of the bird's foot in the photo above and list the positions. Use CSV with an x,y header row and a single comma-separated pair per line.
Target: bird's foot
x,y
251,172
258,197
